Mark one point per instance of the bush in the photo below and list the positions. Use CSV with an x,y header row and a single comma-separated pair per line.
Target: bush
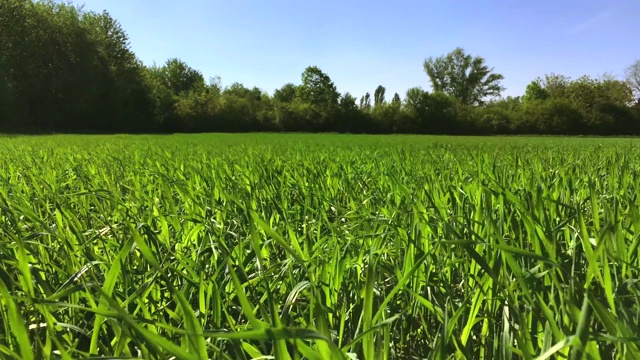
x,y
494,120
551,116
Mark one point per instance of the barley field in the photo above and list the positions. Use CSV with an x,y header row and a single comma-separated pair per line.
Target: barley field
x,y
272,246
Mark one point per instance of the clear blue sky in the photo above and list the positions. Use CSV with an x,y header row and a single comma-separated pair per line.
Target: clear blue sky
x,y
363,44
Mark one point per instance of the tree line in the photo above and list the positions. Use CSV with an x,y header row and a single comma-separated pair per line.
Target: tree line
x,y
63,69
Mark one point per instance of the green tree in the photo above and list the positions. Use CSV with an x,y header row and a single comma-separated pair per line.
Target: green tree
x,y
318,90
396,99
597,100
416,106
179,77
163,100
348,103
179,93
297,116
365,102
616,91
555,85
18,54
416,99
535,92
286,94
123,99
215,85
499,116
351,118
463,76
388,117
246,109
320,93
632,73
593,96
494,120
43,49
65,69
198,111
378,96
553,116
444,114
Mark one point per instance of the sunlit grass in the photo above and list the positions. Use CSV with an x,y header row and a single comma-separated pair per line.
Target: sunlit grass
x,y
319,247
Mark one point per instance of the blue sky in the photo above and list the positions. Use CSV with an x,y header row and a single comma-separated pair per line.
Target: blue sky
x,y
363,44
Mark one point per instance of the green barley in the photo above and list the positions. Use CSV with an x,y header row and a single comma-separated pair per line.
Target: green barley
x,y
319,247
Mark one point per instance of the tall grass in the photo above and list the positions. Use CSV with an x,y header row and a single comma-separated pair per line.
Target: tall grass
x,y
319,247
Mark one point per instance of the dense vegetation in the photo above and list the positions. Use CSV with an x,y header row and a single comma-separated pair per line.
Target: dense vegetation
x,y
67,70
241,246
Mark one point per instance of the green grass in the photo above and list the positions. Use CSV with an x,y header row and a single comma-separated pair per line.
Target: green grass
x,y
319,247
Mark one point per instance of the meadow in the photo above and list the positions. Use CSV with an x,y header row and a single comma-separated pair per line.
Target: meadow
x,y
319,247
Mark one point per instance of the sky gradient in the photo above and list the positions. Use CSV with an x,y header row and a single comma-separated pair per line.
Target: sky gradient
x,y
363,44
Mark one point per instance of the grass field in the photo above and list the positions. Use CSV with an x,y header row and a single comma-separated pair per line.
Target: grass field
x,y
319,247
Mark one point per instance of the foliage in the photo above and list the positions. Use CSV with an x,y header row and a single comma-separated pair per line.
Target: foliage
x,y
63,69
61,66
554,116
495,120
365,102
589,96
285,94
416,105
378,96
317,89
463,76
396,99
535,92
555,85
179,77
632,73
351,119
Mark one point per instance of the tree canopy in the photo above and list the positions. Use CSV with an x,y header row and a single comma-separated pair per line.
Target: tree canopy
x,y
632,73
63,69
463,76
